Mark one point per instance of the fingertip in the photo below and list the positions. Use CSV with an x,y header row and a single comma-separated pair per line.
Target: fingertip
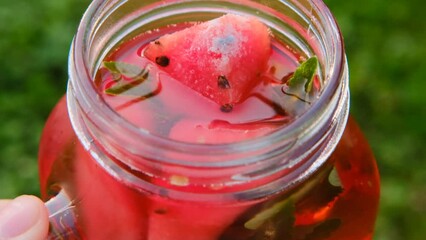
x,y
23,218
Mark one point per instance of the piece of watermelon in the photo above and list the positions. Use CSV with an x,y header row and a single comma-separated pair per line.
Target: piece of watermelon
x,y
223,59
218,132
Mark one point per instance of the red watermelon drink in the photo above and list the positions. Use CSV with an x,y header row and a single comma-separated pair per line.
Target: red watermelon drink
x,y
207,120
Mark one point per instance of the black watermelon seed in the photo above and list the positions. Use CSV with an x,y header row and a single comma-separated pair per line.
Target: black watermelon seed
x,y
223,83
160,211
162,61
226,108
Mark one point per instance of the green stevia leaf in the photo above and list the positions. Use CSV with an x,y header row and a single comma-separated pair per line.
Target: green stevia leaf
x,y
304,75
126,69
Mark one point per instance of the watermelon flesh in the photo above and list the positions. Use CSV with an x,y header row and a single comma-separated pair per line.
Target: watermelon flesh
x,y
217,132
222,59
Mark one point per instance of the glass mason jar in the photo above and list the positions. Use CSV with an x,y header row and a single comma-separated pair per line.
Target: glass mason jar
x,y
104,178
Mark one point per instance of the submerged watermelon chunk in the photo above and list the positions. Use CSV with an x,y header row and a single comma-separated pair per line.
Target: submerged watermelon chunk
x,y
218,132
222,59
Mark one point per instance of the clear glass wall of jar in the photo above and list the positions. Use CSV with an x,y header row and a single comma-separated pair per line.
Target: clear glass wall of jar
x,y
314,178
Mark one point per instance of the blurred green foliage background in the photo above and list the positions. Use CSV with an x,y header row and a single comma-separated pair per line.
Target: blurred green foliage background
x,y
386,48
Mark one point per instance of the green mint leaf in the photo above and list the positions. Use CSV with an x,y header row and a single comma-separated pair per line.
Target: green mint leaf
x,y
126,69
304,75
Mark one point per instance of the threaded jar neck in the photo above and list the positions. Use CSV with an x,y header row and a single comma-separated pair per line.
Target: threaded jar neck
x,y
277,161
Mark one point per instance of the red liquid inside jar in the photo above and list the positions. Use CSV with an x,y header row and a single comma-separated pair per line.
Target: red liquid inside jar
x,y
107,208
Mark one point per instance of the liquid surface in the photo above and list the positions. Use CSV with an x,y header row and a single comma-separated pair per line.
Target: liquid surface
x,y
163,106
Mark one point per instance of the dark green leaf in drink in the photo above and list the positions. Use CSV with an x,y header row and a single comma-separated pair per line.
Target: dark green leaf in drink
x,y
301,82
